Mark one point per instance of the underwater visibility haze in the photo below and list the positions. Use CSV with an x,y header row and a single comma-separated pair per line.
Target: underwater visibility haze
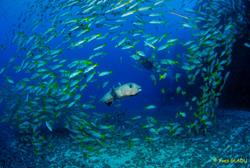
x,y
124,83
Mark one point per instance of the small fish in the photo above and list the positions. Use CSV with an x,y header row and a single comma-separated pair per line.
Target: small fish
x,y
149,44
141,53
83,87
76,73
163,91
90,76
155,14
99,47
106,127
150,107
48,125
153,131
120,43
27,98
114,27
136,118
97,55
88,106
133,6
79,43
90,68
71,104
177,77
148,126
163,76
2,70
182,16
128,13
159,2
93,37
105,84
186,25
157,22
105,73
150,139
118,7
97,134
144,8
178,90
181,114
56,52
10,80
247,45
135,140
153,78
82,32
77,97
126,47
138,24
152,120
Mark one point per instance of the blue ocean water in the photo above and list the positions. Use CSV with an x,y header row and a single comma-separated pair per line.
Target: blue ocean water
x,y
54,112
124,69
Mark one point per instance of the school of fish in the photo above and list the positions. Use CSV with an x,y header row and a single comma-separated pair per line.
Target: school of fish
x,y
54,81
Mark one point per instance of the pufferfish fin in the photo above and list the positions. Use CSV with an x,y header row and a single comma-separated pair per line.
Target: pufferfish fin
x,y
113,93
109,103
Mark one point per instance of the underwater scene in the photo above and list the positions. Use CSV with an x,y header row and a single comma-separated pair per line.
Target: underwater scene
x,y
125,84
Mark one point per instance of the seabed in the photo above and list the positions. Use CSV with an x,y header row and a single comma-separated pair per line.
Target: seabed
x,y
227,146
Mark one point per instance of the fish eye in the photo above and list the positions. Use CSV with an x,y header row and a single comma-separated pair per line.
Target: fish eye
x,y
130,85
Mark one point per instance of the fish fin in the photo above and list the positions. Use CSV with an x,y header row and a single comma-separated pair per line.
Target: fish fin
x,y
109,103
113,93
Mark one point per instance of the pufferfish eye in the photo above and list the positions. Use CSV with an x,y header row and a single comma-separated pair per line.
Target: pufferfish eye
x,y
130,85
